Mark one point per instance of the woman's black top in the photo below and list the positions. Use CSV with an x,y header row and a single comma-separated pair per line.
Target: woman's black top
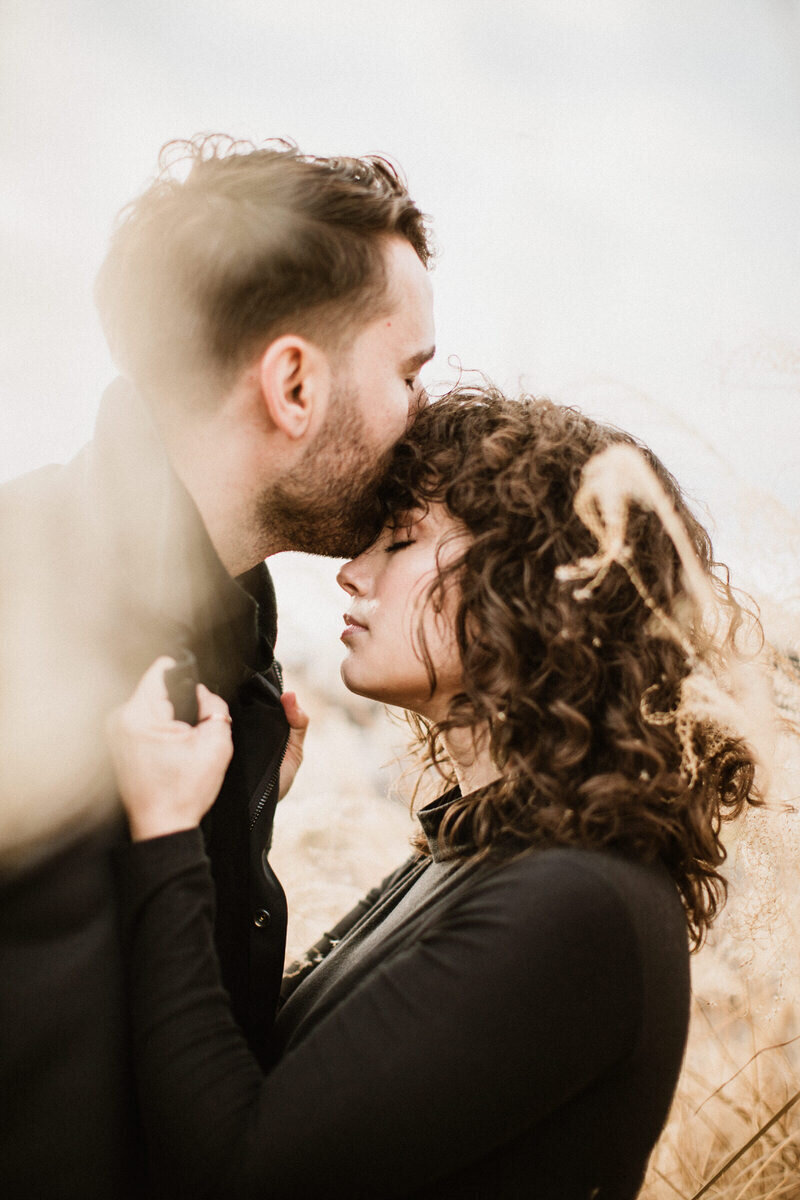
x,y
481,1030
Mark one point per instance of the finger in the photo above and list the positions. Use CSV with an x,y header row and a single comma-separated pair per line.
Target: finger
x,y
152,685
209,705
150,698
296,716
214,724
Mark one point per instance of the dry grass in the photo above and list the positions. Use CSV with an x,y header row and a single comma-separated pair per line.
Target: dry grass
x,y
734,1130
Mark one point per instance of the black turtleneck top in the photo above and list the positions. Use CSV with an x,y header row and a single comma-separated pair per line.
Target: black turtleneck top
x,y
472,1030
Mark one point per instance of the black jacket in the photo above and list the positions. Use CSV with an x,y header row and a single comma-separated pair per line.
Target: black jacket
x,y
104,565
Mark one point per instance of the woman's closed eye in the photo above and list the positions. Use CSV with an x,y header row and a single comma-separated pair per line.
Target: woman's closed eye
x,y
399,545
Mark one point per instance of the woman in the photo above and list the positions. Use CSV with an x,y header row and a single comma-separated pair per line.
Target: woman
x,y
506,1015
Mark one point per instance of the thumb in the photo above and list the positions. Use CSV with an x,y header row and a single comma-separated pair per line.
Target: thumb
x,y
296,716
298,724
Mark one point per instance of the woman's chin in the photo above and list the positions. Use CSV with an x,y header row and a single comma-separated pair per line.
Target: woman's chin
x,y
351,680
360,684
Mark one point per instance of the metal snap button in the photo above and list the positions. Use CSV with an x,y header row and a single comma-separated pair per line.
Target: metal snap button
x,y
261,918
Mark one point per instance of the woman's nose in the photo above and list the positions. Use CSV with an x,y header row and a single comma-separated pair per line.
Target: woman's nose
x,y
348,578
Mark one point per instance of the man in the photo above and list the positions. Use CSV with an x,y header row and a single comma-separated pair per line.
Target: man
x,y
270,314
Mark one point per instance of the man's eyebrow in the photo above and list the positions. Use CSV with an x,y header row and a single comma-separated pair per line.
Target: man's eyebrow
x,y
418,360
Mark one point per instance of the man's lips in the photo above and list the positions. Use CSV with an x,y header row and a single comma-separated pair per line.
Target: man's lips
x,y
352,626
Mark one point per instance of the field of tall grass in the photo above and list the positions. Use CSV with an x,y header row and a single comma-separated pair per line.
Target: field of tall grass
x,y
734,1130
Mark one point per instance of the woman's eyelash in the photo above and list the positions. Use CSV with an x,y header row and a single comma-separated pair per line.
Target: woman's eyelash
x,y
399,545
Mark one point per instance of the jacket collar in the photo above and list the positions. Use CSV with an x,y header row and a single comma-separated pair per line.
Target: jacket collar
x,y
430,818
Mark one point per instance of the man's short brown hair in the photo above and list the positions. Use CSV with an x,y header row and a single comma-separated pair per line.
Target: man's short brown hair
x,y
250,243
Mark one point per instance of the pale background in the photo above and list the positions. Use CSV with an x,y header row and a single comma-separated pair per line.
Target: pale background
x,y
615,188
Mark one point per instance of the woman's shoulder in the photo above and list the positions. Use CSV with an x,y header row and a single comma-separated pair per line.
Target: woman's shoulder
x,y
598,896
593,934
602,868
582,872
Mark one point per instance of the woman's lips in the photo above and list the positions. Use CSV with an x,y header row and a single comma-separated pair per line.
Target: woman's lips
x,y
351,627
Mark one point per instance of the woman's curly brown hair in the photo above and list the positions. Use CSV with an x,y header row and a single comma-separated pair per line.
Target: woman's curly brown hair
x,y
567,686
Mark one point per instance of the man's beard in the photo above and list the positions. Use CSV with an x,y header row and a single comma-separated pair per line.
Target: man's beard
x,y
328,504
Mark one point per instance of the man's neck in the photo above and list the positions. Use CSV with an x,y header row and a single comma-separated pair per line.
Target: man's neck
x,y
206,460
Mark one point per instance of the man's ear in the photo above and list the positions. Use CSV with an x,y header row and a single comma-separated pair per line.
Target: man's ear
x,y
294,377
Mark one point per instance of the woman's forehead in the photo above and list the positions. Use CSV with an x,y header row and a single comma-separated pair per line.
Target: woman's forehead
x,y
434,522
405,517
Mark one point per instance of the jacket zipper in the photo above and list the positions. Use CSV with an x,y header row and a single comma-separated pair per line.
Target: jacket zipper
x,y
272,781
273,777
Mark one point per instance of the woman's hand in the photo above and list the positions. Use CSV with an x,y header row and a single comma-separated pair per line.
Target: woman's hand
x,y
298,724
168,772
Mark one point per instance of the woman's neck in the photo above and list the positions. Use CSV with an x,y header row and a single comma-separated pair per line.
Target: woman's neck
x,y
468,750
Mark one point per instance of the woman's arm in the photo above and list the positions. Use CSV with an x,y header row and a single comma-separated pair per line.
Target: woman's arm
x,y
517,998
521,997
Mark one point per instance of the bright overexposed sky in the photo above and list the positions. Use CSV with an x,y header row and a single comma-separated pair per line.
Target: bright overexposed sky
x,y
615,187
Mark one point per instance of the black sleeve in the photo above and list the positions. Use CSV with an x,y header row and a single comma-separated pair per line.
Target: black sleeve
x,y
528,989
